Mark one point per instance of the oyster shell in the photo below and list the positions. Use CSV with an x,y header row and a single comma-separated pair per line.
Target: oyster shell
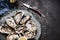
x,y
10,21
25,19
6,30
19,30
31,26
18,17
29,35
12,37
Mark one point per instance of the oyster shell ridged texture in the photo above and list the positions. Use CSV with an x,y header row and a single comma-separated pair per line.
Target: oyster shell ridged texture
x,y
6,30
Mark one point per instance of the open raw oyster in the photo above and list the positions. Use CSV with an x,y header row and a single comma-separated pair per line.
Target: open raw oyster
x,y
20,24
12,37
6,29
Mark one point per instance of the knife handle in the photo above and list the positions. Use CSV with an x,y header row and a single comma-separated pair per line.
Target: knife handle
x,y
38,11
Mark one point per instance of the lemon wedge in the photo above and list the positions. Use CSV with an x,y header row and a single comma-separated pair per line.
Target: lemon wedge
x,y
22,38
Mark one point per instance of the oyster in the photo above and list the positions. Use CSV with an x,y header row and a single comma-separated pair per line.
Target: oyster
x,y
25,19
18,17
12,37
19,30
29,35
10,21
31,26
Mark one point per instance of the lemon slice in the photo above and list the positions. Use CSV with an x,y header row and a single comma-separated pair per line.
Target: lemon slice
x,y
22,38
13,1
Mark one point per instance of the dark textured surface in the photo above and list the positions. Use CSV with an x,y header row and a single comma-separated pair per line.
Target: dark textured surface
x,y
53,7
50,24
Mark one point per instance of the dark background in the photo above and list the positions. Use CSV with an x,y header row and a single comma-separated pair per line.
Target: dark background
x,y
53,30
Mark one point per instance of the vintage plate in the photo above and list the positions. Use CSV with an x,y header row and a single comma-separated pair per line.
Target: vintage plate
x,y
35,18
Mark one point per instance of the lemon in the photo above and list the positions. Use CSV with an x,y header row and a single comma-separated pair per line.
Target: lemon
x,y
22,38
13,1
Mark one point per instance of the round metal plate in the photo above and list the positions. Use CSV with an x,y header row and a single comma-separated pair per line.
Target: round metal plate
x,y
35,18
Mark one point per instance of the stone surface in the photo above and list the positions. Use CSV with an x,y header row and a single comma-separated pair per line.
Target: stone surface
x,y
50,25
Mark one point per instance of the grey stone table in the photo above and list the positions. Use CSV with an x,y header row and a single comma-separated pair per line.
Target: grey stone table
x,y
51,23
